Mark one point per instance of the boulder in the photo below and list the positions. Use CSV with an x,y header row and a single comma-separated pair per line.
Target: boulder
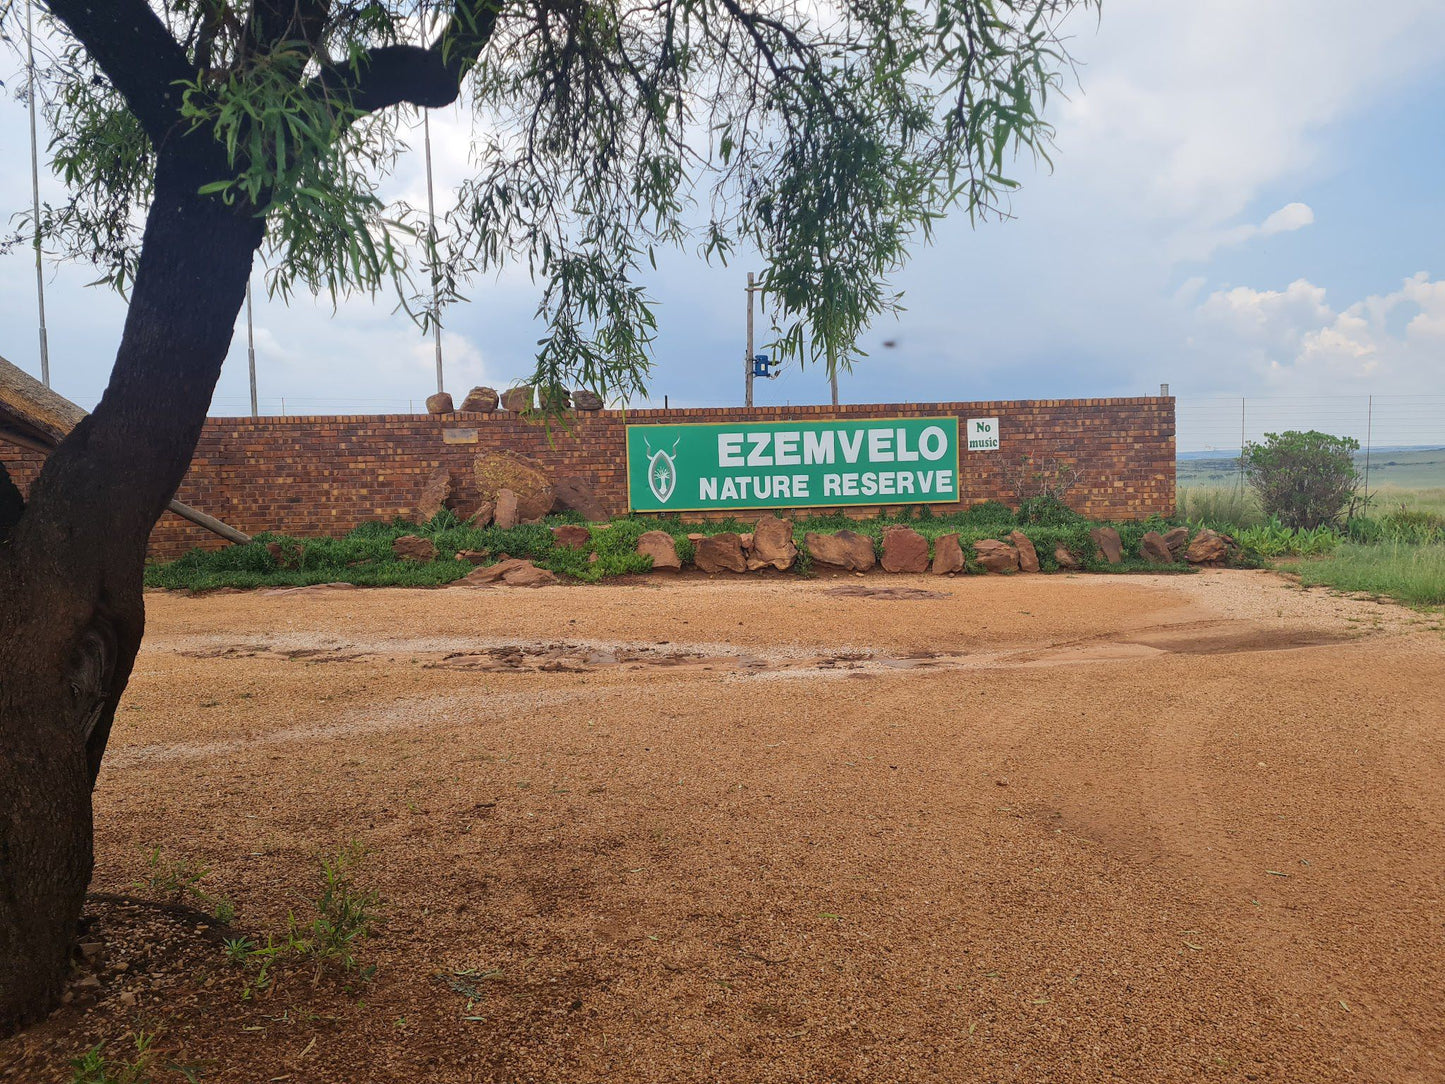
x,y
904,550
434,495
661,548
572,536
947,555
720,552
1208,548
473,557
518,400
529,575
1176,539
1028,556
482,517
480,401
506,515
578,495
583,399
558,399
284,556
496,471
996,556
440,403
512,572
772,545
1067,561
410,547
1107,539
842,549
1152,547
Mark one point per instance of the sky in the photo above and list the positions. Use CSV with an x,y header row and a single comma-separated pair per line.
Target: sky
x,y
1245,204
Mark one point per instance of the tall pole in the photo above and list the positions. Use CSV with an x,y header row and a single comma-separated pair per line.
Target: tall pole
x,y
748,357
431,214
833,382
35,193
1369,434
1241,444
251,351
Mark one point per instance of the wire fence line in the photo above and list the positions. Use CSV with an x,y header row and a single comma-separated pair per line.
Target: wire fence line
x,y
1223,424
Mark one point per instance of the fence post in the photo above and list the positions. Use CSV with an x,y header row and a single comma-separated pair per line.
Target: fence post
x,y
1369,433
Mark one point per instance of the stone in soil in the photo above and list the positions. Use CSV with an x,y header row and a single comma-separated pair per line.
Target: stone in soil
x,y
1208,548
904,550
410,547
772,545
496,471
440,403
843,549
578,495
571,536
947,555
434,495
473,557
1176,538
996,556
1066,559
482,517
1028,556
514,572
518,400
506,516
1153,548
1107,540
659,545
720,553
480,401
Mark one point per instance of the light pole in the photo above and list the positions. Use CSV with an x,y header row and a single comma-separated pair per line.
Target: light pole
x,y
35,193
251,351
431,214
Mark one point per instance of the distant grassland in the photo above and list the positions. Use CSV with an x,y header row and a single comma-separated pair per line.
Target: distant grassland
x,y
1417,468
1209,489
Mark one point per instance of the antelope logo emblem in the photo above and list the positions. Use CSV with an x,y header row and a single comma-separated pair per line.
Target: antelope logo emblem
x,y
661,470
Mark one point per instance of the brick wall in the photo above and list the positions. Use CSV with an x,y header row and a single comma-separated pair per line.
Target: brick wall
x,y
324,475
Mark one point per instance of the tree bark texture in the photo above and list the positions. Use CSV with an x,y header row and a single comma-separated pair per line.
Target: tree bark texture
x,y
71,570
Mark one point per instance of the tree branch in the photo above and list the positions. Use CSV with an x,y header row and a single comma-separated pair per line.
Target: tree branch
x,y
135,50
428,77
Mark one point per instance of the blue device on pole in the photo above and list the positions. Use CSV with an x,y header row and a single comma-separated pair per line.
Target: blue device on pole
x,y
761,365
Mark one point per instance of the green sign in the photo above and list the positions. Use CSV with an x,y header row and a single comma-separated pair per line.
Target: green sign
x,y
691,468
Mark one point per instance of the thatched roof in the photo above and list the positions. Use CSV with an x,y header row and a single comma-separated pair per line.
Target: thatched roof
x,y
30,410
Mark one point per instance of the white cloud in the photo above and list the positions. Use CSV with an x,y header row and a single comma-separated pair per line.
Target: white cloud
x,y
1292,216
1293,338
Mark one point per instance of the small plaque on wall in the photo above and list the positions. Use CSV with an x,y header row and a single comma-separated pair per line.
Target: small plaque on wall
x,y
459,436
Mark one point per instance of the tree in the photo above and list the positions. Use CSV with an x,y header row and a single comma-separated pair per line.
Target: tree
x,y
831,138
1305,480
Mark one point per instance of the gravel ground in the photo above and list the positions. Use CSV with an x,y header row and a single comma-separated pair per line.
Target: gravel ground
x,y
1065,828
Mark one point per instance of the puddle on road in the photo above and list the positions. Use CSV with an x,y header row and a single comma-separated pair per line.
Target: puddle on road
x,y
584,657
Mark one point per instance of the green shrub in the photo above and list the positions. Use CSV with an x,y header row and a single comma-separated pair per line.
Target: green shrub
x,y
1303,479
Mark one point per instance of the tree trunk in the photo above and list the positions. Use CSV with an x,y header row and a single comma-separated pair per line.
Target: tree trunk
x,y
71,611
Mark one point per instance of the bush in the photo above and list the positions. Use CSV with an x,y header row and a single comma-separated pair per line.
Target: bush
x,y
1305,480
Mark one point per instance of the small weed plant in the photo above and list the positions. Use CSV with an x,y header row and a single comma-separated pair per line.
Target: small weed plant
x,y
95,1067
327,936
179,880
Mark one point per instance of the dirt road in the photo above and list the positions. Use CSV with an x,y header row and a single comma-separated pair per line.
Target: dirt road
x,y
975,829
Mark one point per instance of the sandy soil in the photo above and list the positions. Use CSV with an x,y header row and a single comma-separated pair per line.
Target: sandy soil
x,y
975,829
